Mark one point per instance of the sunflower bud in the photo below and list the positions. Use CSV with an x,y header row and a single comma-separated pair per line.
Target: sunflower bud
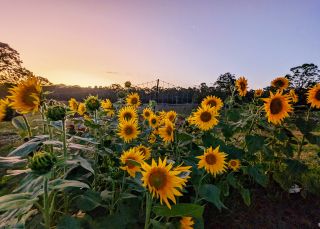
x,y
42,162
127,84
56,113
92,103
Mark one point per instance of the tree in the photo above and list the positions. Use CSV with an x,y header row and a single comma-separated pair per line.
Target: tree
x,y
225,81
11,70
304,76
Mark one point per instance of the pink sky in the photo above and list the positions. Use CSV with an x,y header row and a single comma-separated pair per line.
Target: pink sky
x,y
185,42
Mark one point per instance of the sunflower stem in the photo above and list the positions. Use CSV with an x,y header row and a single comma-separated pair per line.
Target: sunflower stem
x,y
148,210
46,206
27,125
64,140
198,187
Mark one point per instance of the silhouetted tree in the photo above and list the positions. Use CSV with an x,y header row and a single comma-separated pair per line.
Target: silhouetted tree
x,y
11,70
224,82
304,76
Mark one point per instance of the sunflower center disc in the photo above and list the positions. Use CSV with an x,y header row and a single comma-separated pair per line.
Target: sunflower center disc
x,y
127,116
211,159
128,130
158,179
233,163
147,114
28,98
212,103
205,116
242,86
276,106
318,95
134,100
279,83
129,163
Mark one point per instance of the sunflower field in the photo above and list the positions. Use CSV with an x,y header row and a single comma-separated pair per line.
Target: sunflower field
x,y
102,164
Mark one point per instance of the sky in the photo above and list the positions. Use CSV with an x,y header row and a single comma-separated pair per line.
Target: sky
x,y
183,42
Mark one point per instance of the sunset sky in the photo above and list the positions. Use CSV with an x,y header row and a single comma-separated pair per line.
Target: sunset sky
x,y
184,42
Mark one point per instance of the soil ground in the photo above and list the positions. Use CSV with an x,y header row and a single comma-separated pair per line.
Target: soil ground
x,y
269,209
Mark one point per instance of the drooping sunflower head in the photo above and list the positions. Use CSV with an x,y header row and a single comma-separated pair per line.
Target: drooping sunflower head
x,y
133,99
153,120
147,113
166,132
204,118
234,164
186,223
163,181
242,86
73,105
26,96
128,130
314,96
145,151
106,105
212,101
42,162
81,109
92,103
213,161
56,113
280,83
131,161
6,111
277,107
258,92
293,96
171,115
128,113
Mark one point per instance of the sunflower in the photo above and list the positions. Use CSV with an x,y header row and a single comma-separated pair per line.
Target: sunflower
x,y
204,118
166,132
133,99
153,121
162,115
128,113
6,112
163,180
171,115
146,151
280,83
258,92
128,130
92,103
26,96
212,101
277,107
146,113
242,86
82,109
293,96
152,138
106,105
73,104
131,160
213,161
186,223
110,113
314,96
234,164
